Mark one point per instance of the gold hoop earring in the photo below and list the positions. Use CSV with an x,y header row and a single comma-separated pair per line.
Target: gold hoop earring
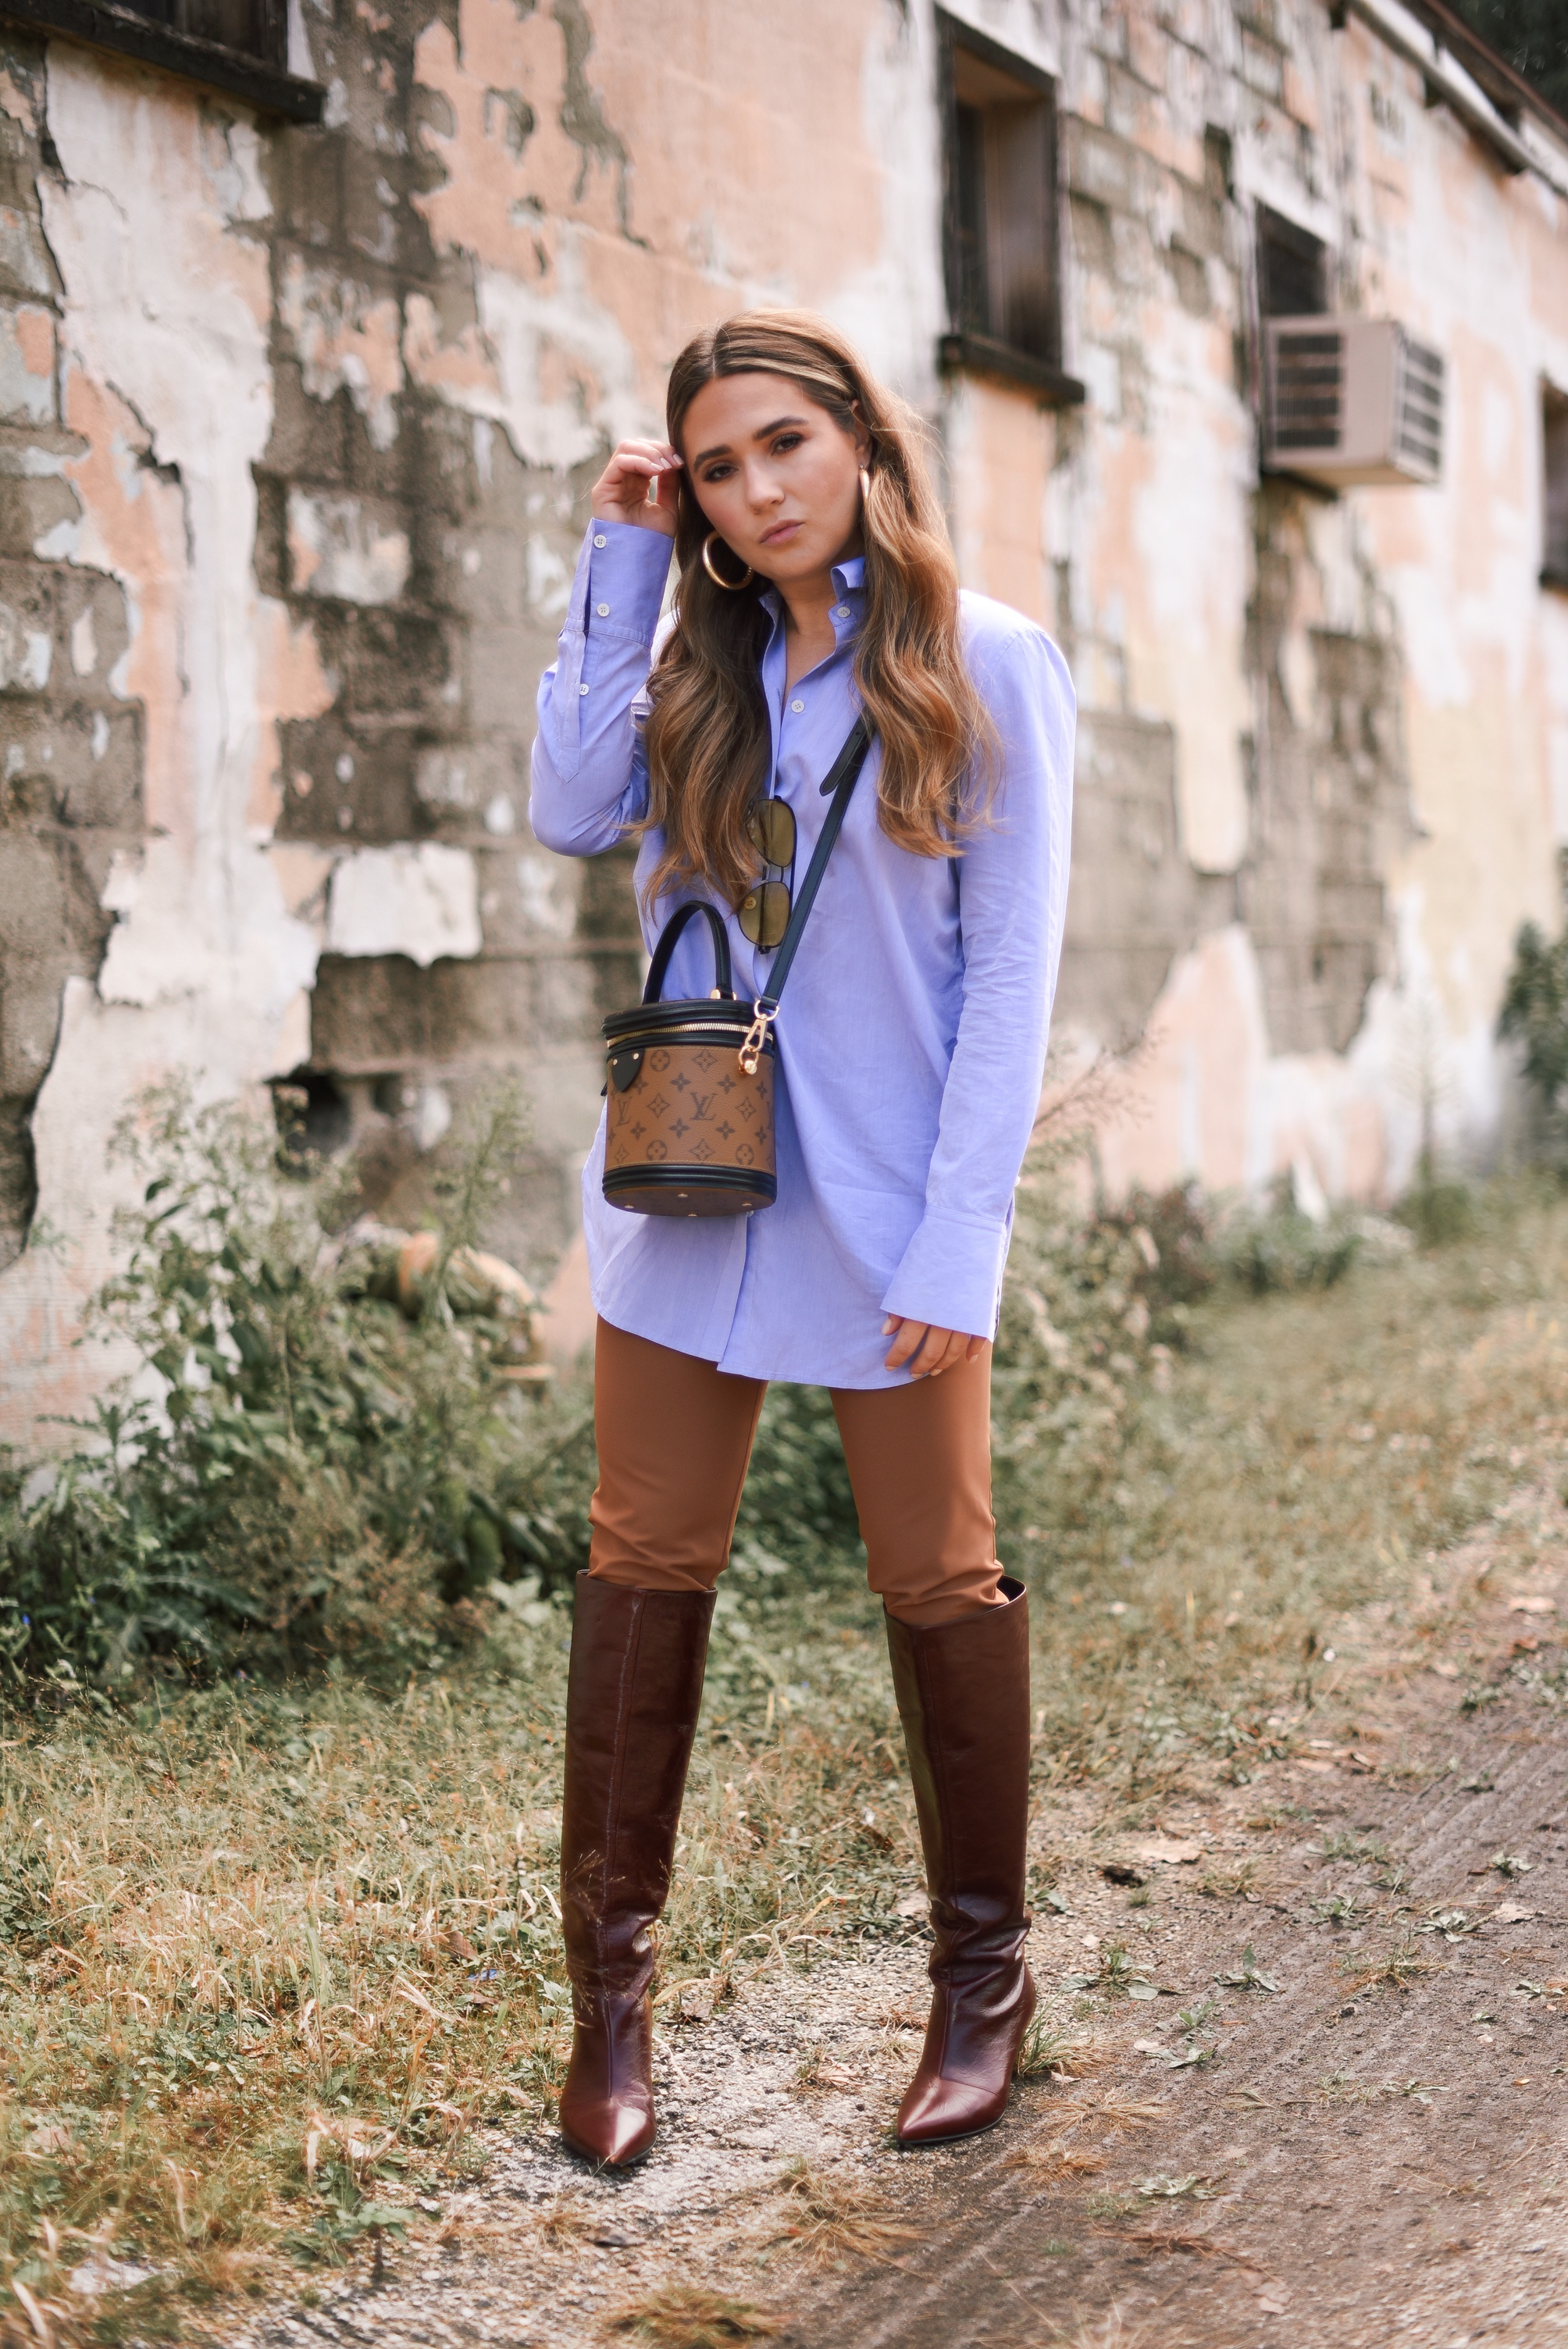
x,y
866,495
730,587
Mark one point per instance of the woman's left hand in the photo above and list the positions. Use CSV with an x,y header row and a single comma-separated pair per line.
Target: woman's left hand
x,y
927,1350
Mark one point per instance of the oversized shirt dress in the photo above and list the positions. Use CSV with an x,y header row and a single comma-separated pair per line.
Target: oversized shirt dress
x,y
912,1034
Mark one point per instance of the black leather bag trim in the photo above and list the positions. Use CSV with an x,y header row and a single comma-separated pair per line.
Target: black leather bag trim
x,y
690,1178
722,1023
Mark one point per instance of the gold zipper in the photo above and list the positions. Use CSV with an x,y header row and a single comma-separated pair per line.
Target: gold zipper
x,y
653,1037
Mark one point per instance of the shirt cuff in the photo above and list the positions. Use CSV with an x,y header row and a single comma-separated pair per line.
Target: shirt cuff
x,y
951,1273
619,590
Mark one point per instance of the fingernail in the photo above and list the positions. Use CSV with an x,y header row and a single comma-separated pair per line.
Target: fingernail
x,y
889,1326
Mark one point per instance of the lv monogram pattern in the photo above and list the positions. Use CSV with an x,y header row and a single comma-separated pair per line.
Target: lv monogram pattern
x,y
691,1105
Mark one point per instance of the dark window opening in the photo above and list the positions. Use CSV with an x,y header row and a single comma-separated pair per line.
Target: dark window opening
x,y
1554,487
256,28
1003,289
1293,269
239,46
971,304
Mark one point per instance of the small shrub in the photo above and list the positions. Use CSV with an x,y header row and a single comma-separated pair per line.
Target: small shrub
x,y
298,1468
1074,1349
1281,1249
1437,1213
1534,1011
1173,1234
798,1505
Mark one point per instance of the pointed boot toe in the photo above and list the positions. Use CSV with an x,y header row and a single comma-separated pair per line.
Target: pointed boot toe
x,y
611,2132
966,2072
606,2110
935,2112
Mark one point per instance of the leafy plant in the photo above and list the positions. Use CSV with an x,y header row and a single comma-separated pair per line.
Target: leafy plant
x,y
1534,1011
1283,1249
1248,1975
298,1468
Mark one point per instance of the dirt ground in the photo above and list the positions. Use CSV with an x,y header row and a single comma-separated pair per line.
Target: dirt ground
x,y
1335,2113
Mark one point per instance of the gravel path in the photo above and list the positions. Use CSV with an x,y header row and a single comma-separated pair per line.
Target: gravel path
x,y
1330,2162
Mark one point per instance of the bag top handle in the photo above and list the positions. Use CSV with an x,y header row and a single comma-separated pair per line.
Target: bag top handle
x,y
668,936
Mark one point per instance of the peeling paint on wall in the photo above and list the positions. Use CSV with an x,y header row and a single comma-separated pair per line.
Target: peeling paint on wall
x,y
419,901
296,429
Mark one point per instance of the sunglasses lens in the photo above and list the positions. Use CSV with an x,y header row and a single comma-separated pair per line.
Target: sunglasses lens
x,y
771,828
763,913
775,913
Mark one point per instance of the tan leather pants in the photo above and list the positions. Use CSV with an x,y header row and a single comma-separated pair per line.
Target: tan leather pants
x,y
675,1438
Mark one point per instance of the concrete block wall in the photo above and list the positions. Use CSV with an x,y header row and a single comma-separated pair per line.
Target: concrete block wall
x,y
70,750
296,431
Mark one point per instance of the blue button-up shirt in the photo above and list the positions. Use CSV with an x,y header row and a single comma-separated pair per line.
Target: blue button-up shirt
x,y
911,1036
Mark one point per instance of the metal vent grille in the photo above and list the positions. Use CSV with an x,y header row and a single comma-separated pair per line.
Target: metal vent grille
x,y
1420,418
1308,388
1351,400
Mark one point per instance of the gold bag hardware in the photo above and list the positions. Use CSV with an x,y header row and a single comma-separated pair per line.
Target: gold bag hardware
x,y
689,1085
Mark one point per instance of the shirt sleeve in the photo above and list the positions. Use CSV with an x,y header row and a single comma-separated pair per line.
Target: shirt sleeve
x,y
1012,885
589,770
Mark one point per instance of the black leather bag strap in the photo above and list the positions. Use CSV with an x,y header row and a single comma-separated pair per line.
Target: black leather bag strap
x,y
842,781
672,930
844,774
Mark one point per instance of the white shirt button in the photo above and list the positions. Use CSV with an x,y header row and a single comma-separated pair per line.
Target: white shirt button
x,y
603,610
581,688
842,612
796,705
600,539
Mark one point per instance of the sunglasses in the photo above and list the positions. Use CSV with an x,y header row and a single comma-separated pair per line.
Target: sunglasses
x,y
763,913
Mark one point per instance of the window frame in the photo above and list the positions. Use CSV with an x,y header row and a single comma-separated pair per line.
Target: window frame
x,y
266,85
960,350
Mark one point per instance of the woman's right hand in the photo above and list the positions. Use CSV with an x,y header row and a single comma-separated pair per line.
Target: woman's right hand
x,y
621,493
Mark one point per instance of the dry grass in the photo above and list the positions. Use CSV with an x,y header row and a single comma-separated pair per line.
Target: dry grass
x,y
1394,1969
567,2221
269,1959
685,2316
1049,2052
833,2214
1063,2155
1321,1455
816,2069
1119,2112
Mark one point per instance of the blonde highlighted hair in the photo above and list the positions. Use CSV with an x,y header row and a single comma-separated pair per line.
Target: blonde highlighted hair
x,y
707,732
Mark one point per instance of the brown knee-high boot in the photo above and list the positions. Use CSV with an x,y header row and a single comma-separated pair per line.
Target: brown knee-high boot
x,y
963,1697
633,1690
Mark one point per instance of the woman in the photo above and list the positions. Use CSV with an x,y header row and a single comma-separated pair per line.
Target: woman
x,y
814,582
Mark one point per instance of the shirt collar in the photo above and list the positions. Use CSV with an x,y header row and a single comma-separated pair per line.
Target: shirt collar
x,y
849,579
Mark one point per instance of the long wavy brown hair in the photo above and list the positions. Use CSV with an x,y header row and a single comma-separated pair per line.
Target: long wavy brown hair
x,y
707,733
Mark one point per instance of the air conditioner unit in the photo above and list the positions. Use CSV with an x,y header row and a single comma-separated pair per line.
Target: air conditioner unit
x,y
1351,400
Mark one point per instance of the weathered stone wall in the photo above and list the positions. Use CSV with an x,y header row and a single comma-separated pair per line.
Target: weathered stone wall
x,y
1295,706
71,762
296,429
